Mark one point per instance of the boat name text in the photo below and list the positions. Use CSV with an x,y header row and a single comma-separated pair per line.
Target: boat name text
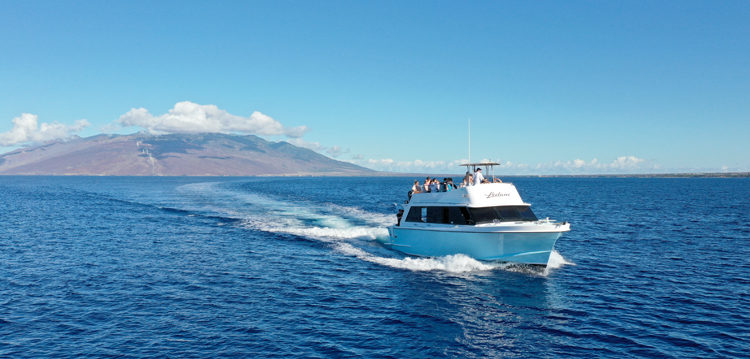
x,y
497,194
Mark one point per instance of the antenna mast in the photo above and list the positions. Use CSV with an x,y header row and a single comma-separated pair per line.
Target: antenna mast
x,y
469,140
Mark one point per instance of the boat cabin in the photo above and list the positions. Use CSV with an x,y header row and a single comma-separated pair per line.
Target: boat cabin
x,y
470,205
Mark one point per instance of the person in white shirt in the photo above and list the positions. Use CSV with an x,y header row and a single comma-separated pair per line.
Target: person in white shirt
x,y
478,178
416,188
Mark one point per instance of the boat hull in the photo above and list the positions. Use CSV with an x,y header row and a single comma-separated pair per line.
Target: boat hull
x,y
519,247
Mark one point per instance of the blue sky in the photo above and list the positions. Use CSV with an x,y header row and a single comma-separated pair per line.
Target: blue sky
x,y
549,86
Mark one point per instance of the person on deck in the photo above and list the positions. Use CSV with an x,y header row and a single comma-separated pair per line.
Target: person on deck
x,y
416,188
478,178
467,180
434,186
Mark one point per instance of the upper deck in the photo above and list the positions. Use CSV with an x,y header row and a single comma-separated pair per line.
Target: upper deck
x,y
482,195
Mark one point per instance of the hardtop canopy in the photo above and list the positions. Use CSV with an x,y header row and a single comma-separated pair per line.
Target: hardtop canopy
x,y
475,165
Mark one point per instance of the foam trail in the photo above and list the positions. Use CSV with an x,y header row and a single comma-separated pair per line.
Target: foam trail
x,y
458,263
326,222
326,214
380,219
326,234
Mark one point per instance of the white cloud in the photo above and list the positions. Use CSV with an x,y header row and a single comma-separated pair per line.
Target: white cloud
x,y
423,166
26,129
440,166
333,151
336,151
380,162
389,164
626,162
315,146
189,117
622,164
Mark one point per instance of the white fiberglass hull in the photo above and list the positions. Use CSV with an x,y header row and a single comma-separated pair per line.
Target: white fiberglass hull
x,y
530,244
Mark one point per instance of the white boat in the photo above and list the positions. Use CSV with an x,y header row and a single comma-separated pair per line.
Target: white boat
x,y
486,221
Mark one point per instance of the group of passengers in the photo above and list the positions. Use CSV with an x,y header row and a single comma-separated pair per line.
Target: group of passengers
x,y
432,185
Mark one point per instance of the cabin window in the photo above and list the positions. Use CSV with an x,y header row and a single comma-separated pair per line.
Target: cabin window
x,y
416,214
459,215
444,215
483,215
437,215
470,216
502,214
515,214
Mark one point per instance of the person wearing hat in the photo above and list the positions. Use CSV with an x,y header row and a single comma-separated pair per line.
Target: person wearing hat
x,y
478,178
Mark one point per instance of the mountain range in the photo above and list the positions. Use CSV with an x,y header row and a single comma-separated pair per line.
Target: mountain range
x,y
172,155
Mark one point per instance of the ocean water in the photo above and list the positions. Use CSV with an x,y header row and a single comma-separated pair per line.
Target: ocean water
x,y
290,267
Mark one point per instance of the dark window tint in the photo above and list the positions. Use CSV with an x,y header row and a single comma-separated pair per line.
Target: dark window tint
x,y
527,214
502,214
470,216
415,214
437,215
516,214
458,215
483,215
446,215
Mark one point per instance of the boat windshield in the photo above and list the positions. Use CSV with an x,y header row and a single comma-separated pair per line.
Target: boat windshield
x,y
470,216
502,214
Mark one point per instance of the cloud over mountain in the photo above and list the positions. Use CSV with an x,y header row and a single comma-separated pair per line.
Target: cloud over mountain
x,y
190,117
26,129
333,151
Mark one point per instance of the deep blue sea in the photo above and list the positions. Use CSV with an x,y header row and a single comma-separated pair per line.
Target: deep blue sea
x,y
290,267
